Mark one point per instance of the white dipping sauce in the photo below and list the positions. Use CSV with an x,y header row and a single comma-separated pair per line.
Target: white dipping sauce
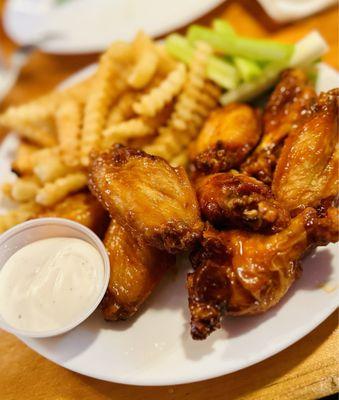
x,y
50,283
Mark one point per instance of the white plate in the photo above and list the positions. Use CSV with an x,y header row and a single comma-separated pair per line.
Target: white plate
x,y
91,25
290,10
156,349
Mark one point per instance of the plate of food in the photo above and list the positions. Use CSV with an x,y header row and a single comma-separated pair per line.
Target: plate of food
x,y
207,164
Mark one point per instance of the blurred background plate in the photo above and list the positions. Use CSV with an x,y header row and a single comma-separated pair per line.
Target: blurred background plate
x,y
84,26
290,10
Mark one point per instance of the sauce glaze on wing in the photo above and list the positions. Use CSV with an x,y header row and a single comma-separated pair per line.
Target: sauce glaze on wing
x,y
233,200
244,273
145,193
288,106
135,270
307,170
226,138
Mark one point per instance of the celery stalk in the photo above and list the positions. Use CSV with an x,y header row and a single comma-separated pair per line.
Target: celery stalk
x,y
178,47
307,51
222,26
248,69
220,71
255,49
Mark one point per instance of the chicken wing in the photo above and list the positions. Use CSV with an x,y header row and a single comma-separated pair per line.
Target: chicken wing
x,y
228,135
241,273
145,193
135,269
82,208
233,200
289,105
307,170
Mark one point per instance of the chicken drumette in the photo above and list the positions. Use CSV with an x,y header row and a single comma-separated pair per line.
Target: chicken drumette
x,y
288,107
233,200
143,192
241,273
227,137
135,269
307,170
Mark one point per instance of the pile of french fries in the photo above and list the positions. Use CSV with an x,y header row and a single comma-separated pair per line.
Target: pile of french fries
x,y
139,96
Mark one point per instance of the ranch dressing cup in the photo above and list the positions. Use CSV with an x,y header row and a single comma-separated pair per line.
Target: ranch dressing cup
x,y
53,274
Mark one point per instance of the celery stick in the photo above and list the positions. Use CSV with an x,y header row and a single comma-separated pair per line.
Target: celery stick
x,y
307,51
197,33
256,49
248,69
221,26
250,90
178,47
220,71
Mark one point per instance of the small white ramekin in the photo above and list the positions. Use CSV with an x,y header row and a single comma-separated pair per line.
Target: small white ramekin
x,y
43,228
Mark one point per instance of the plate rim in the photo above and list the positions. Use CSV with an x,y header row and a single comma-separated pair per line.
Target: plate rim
x,y
133,381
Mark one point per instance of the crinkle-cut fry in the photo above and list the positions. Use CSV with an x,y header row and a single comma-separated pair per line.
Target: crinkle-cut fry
x,y
25,189
78,92
189,111
68,121
56,191
25,212
108,84
22,164
39,136
33,121
181,160
122,110
146,61
49,170
149,104
166,63
6,189
42,155
120,133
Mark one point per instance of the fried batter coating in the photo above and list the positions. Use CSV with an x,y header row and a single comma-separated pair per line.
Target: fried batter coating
x,y
242,273
307,170
135,269
288,106
227,137
144,192
231,200
82,208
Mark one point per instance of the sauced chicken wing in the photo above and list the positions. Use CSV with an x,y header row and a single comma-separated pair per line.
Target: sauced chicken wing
x,y
240,273
144,192
232,200
83,208
307,170
289,105
228,135
136,269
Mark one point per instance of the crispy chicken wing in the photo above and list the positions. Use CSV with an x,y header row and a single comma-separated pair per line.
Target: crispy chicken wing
x,y
228,135
136,268
240,273
144,192
232,200
83,208
307,170
289,105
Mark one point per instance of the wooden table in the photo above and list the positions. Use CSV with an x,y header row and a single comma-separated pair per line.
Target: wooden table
x,y
306,370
